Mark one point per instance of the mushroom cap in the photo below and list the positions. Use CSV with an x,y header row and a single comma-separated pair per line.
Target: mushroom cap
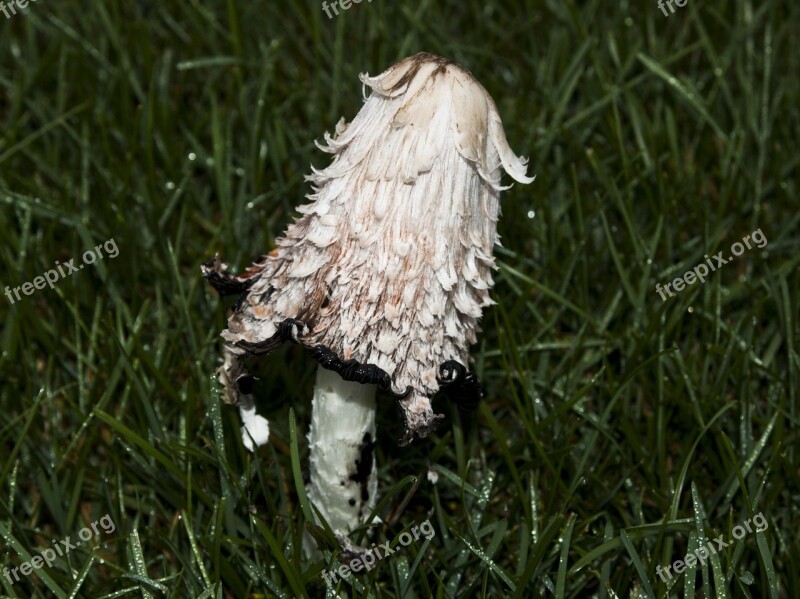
x,y
390,263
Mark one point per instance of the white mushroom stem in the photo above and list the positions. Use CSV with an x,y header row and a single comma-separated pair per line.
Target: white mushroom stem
x,y
344,479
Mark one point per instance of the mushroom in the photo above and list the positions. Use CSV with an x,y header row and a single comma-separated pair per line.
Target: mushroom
x,y
384,275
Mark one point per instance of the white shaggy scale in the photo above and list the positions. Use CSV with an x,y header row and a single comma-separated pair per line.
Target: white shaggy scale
x,y
255,428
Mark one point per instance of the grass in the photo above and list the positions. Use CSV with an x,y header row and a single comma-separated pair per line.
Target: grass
x,y
618,429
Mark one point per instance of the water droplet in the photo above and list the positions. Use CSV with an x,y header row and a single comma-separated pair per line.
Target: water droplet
x,y
169,185
531,213
690,309
192,156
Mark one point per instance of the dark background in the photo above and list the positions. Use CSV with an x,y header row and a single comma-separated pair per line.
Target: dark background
x,y
617,429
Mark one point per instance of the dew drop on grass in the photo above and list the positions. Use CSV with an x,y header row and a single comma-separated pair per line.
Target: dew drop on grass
x,y
746,577
531,214
169,185
192,156
483,497
138,559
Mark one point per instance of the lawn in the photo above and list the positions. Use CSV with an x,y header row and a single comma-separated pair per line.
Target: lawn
x,y
626,426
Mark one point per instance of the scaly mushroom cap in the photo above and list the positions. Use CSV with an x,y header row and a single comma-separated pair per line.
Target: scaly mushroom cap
x,y
390,264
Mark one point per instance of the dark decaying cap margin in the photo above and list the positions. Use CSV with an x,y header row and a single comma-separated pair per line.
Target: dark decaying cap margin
x,y
456,382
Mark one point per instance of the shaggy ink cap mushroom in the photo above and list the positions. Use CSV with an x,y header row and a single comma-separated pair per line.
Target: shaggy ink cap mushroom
x,y
384,276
